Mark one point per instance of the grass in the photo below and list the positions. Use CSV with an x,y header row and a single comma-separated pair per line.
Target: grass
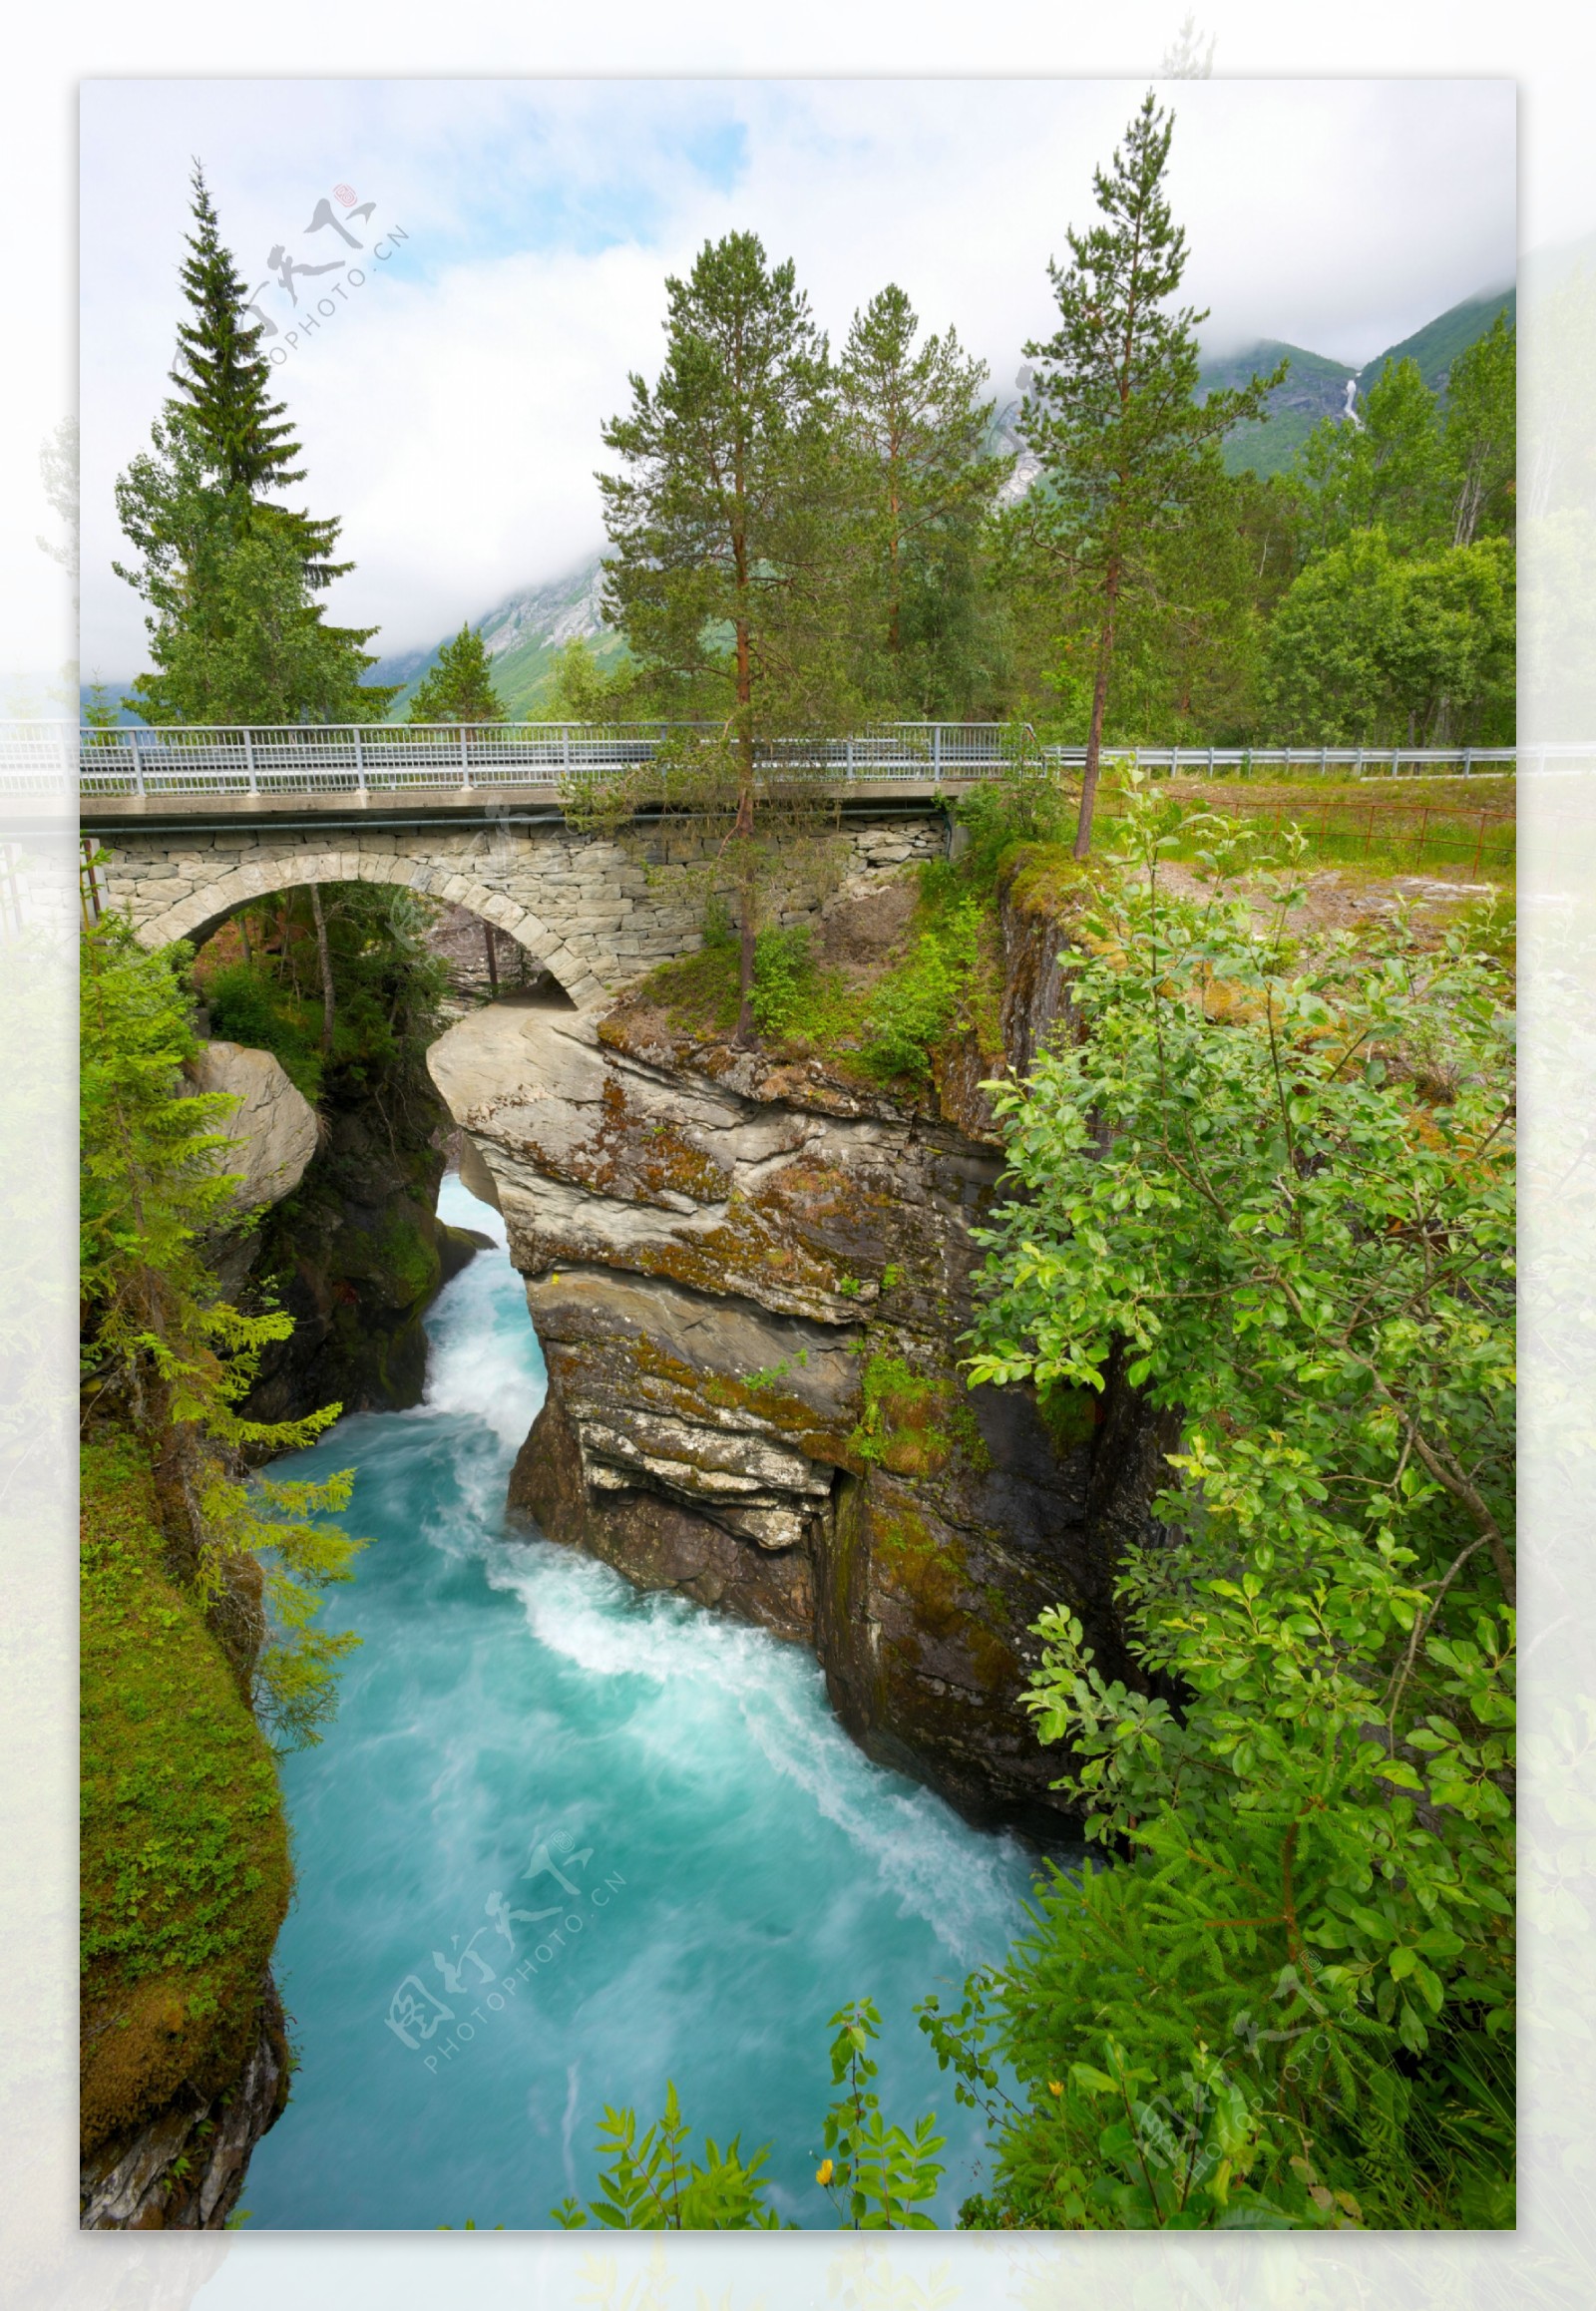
x,y
1454,829
186,1873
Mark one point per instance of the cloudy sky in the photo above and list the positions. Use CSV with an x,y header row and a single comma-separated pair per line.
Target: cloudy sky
x,y
450,403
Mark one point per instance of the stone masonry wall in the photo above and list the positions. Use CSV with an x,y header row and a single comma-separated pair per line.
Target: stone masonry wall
x,y
595,912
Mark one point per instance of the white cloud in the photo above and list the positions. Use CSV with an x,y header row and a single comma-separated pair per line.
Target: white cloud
x,y
450,411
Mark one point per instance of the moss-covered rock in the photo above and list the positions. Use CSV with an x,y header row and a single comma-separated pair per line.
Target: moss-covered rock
x,y
184,1881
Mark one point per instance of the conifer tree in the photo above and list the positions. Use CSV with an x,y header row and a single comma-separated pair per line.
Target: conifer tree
x,y
226,570
1112,414
223,379
460,686
919,426
728,522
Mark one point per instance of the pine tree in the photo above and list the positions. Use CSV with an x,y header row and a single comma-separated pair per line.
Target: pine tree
x,y
919,427
728,524
1112,413
460,686
223,380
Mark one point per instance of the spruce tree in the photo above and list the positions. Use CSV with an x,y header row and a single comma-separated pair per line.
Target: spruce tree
x,y
1113,413
225,570
460,686
223,381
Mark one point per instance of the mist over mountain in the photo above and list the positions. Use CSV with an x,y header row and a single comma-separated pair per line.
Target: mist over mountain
x,y
523,637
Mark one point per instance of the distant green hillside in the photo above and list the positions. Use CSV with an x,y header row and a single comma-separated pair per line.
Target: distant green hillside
x,y
1437,346
1313,388
522,638
1316,388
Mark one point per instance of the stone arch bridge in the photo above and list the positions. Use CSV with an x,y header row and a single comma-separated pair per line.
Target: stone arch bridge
x,y
594,912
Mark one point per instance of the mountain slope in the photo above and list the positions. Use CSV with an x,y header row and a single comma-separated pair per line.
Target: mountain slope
x,y
1313,388
523,637
1437,346
1316,387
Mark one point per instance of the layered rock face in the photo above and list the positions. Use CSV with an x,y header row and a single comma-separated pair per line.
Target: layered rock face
x,y
185,2169
750,1281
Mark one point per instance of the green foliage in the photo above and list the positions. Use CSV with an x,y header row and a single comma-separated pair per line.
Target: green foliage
x,y
233,632
1387,472
916,427
227,573
725,579
1400,626
224,384
183,1873
914,1006
1482,434
1279,1194
653,2184
1374,648
913,1422
785,979
1007,815
460,686
581,688
185,1854
387,987
1113,414
878,2175
167,1353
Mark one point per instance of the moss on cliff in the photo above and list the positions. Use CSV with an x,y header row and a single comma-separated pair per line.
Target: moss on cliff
x,y
185,1872
915,1423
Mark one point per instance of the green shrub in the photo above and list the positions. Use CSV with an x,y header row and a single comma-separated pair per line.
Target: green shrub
x,y
247,1005
1003,816
914,1006
785,979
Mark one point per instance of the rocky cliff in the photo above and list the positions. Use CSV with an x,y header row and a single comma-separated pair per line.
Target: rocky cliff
x,y
355,1254
750,1277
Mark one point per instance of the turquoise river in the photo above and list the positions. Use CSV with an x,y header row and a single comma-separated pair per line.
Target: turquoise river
x,y
565,1842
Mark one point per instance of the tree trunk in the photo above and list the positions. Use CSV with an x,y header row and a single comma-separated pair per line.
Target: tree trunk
x,y
1099,700
745,907
324,967
488,938
743,832
243,935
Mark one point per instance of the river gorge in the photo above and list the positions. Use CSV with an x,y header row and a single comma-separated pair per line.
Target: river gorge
x,y
567,1840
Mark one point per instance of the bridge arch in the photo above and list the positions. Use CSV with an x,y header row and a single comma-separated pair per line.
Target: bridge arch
x,y
203,911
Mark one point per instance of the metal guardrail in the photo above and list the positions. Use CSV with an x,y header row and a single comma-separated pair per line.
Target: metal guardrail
x,y
380,758
50,759
383,758
1359,761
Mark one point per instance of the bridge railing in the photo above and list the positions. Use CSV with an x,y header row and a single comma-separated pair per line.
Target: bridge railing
x,y
395,758
457,758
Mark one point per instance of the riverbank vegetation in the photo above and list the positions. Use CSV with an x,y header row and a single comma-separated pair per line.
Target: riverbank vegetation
x,y
199,1583
1269,1183
1273,1178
